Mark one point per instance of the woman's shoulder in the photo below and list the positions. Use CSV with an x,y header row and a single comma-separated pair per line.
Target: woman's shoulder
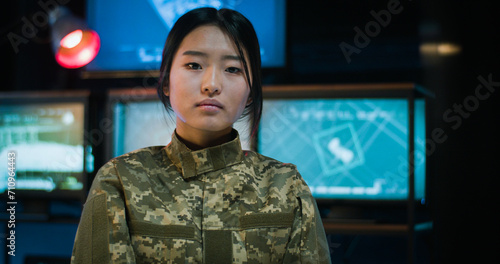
x,y
134,164
140,158
277,173
268,163
139,154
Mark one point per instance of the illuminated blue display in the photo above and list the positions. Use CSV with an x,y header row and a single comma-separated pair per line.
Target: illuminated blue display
x,y
133,33
48,142
347,148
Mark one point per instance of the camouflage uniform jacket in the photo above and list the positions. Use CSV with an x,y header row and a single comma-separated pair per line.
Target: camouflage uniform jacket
x,y
215,205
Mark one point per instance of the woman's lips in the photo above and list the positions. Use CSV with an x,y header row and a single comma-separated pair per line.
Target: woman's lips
x,y
210,105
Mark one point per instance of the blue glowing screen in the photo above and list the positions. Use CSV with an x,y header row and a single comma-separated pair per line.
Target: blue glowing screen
x,y
48,142
347,148
133,33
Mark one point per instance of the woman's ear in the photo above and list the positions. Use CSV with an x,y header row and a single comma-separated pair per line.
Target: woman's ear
x,y
166,91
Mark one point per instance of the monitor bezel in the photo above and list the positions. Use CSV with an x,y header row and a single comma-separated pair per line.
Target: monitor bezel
x,y
396,90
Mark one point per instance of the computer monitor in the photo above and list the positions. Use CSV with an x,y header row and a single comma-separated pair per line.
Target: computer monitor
x,y
348,147
140,120
44,135
133,33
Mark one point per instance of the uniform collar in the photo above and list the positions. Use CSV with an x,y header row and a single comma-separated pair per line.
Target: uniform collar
x,y
192,163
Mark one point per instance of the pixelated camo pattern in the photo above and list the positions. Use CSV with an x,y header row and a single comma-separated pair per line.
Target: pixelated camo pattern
x,y
216,205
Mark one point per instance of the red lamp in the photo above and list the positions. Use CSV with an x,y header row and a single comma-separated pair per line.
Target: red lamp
x,y
74,44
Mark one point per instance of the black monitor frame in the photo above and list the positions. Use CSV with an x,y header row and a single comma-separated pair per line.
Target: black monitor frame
x,y
408,91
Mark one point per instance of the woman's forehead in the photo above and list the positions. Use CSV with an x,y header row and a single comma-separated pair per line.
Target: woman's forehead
x,y
208,39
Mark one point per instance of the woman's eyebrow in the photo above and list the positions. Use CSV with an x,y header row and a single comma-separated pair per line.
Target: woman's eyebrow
x,y
194,53
203,54
231,57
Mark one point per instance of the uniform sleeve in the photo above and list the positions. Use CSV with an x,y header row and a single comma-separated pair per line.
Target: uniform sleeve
x,y
103,234
308,242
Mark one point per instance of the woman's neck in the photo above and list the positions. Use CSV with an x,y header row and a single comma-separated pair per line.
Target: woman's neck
x,y
196,140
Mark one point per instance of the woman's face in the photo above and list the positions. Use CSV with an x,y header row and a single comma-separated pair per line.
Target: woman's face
x,y
208,87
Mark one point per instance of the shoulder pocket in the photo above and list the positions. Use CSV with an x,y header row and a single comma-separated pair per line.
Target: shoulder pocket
x,y
92,241
156,243
161,231
257,220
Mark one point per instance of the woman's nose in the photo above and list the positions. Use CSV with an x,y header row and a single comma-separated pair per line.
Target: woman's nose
x,y
212,81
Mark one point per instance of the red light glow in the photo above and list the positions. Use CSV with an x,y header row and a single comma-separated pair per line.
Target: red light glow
x,y
78,48
72,39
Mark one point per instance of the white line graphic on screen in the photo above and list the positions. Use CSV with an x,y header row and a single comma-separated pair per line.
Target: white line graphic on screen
x,y
170,11
286,131
293,127
344,154
388,118
381,127
325,138
361,134
372,115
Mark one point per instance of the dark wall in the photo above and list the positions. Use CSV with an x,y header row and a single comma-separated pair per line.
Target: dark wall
x,y
465,164
25,47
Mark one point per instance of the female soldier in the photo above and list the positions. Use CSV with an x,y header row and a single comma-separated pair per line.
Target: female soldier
x,y
202,199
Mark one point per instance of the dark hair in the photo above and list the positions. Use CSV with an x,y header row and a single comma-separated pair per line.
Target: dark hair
x,y
236,26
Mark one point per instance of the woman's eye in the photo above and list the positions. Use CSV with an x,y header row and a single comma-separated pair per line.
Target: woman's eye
x,y
193,66
233,70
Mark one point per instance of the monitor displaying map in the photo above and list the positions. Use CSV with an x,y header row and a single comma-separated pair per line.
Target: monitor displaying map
x,y
347,148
